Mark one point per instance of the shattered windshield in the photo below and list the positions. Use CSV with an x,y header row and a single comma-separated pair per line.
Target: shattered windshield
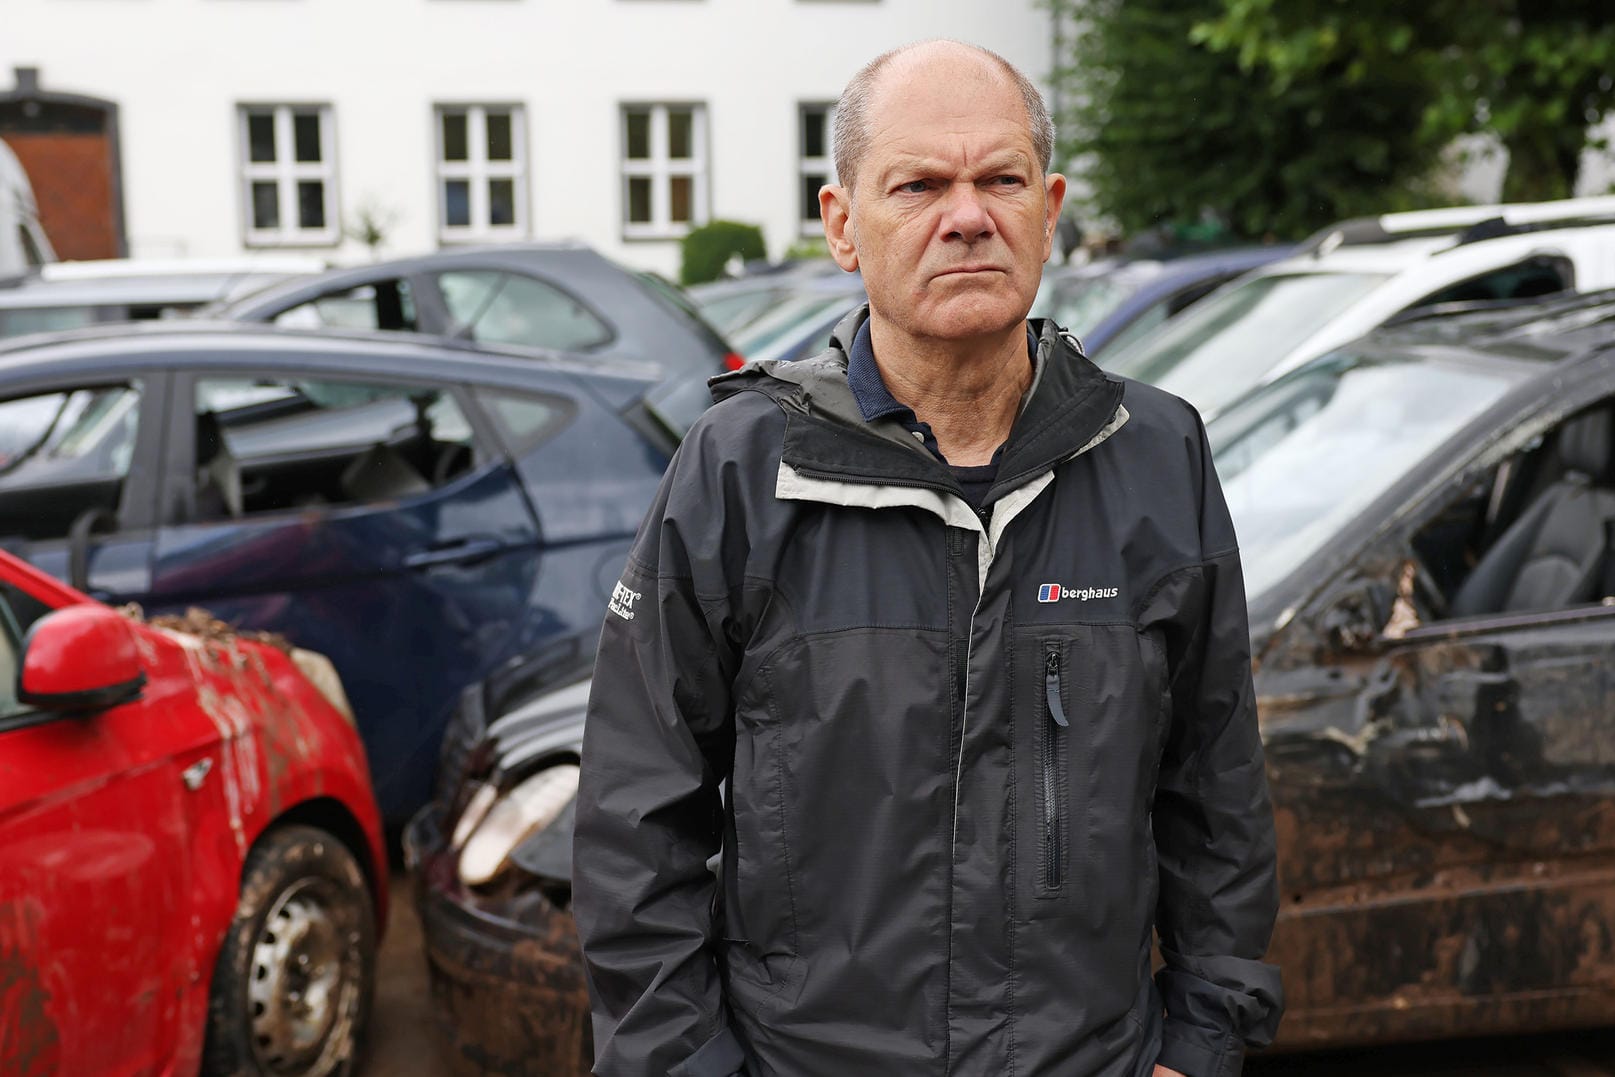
x,y
1300,458
1219,348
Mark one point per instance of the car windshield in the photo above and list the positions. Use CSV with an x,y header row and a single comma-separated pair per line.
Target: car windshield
x,y
778,333
678,402
1220,348
1078,304
1301,457
732,311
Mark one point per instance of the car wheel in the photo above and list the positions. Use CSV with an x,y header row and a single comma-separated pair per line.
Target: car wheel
x,y
292,987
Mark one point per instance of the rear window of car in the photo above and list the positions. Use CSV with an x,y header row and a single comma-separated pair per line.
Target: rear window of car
x,y
495,307
672,296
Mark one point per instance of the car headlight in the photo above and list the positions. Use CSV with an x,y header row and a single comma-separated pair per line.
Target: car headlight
x,y
529,807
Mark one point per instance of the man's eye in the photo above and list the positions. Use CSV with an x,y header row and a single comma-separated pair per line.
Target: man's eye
x,y
1007,181
915,187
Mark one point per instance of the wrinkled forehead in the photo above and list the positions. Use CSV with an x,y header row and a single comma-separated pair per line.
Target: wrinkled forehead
x,y
948,89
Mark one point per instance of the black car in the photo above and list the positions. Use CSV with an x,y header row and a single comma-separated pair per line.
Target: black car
x,y
417,512
1427,519
540,296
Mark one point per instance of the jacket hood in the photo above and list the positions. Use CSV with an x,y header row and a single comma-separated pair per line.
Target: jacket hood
x,y
1071,401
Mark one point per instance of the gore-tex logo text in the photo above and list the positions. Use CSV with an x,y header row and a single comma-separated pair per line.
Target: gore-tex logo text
x,y
622,601
1053,592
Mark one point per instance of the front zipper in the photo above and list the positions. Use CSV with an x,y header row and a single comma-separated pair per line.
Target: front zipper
x,y
1053,742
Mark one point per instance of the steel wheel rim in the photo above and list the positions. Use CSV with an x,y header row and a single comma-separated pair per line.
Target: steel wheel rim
x,y
302,987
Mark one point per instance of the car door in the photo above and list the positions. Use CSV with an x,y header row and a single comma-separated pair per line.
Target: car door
x,y
94,869
78,479
370,519
1444,785
1448,834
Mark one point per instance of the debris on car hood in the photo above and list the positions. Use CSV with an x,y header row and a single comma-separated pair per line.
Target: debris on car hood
x,y
197,622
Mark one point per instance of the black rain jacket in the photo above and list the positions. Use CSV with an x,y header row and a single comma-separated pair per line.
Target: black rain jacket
x,y
971,759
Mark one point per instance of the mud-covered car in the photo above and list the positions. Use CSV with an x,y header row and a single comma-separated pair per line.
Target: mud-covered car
x,y
491,860
1426,519
192,874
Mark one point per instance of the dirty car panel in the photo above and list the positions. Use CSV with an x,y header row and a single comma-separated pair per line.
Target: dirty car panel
x,y
124,830
1439,747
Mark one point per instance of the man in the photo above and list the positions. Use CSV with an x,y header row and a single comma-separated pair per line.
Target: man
x,y
959,620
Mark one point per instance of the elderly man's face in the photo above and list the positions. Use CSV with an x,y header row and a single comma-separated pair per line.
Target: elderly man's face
x,y
951,217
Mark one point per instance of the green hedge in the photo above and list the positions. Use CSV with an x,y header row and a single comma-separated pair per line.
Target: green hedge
x,y
708,247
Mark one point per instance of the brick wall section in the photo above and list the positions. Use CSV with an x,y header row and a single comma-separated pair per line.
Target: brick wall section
x,y
72,179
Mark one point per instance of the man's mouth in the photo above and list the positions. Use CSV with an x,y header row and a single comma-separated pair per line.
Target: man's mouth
x,y
983,268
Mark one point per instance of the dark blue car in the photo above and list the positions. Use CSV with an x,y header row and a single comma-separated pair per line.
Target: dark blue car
x,y
420,514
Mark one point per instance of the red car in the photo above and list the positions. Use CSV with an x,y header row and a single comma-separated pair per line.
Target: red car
x,y
192,874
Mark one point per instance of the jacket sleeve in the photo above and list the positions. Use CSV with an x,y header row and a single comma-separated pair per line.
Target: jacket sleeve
x,y
1214,823
658,740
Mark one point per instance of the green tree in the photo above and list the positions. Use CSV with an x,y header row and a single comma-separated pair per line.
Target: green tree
x,y
1167,128
707,249
1537,74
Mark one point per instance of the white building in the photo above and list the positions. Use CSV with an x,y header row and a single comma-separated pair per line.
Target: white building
x,y
252,124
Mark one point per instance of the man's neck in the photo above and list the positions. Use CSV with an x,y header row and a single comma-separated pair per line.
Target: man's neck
x,y
967,392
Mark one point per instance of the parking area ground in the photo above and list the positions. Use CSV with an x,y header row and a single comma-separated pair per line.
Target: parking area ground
x,y
401,1043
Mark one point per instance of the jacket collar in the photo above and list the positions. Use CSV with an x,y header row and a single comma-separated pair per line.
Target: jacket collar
x,y
826,436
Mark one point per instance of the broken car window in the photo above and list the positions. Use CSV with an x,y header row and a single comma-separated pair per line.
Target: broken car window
x,y
1302,456
62,454
271,444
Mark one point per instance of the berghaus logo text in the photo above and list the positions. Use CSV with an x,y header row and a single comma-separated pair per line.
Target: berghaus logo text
x,y
1053,592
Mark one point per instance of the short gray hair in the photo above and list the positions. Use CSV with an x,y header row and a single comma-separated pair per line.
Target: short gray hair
x,y
852,111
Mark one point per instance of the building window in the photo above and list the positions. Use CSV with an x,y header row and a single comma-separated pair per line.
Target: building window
x,y
288,175
814,124
664,170
481,172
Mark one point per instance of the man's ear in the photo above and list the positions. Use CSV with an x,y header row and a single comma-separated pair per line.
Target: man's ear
x,y
835,209
1054,193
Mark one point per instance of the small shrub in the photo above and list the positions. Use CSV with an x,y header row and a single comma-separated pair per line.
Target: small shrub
x,y
706,249
804,250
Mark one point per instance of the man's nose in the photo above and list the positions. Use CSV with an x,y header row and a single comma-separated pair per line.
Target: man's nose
x,y
964,214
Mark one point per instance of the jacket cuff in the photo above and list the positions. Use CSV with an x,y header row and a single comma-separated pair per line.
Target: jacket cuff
x,y
1191,1055
721,1056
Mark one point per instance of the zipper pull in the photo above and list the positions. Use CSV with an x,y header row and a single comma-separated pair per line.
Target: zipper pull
x,y
1051,686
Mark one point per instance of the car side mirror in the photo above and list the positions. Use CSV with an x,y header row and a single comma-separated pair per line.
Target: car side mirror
x,y
80,660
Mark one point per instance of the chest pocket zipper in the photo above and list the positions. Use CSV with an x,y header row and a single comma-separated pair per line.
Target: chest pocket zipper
x,y
1053,752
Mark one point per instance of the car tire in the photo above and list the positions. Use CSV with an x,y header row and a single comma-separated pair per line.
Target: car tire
x,y
293,983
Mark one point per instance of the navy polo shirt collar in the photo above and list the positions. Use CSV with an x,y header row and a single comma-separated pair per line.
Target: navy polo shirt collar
x,y
875,401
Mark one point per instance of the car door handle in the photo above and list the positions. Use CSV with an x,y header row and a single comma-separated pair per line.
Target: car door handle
x,y
458,552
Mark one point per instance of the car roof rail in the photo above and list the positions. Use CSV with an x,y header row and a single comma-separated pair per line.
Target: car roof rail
x,y
1474,222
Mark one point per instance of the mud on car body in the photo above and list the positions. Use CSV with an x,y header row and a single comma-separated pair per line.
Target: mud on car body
x,y
1426,519
491,860
191,862
1439,750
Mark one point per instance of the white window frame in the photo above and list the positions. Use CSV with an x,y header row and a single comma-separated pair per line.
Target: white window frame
x,y
814,166
477,170
661,169
285,171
